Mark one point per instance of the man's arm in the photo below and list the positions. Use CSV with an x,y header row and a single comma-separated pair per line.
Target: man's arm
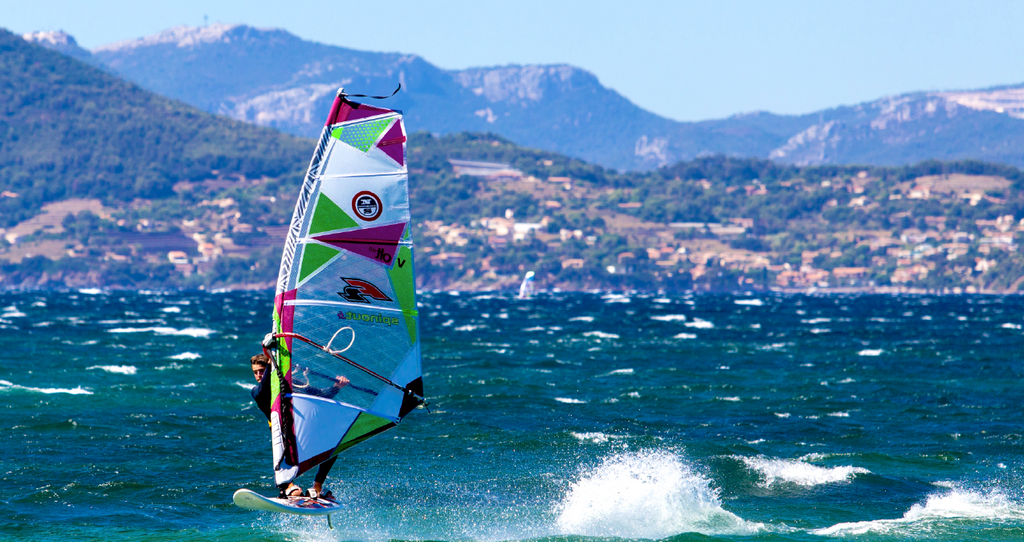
x,y
329,393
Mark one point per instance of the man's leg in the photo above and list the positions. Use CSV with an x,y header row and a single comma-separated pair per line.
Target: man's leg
x,y
321,474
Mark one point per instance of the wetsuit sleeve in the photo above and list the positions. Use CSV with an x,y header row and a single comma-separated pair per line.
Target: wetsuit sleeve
x,y
261,394
328,393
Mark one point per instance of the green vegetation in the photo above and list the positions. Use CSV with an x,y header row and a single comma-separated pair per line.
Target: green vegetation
x,y
192,200
719,222
69,130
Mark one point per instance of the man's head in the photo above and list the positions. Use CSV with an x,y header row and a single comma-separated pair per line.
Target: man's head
x,y
259,365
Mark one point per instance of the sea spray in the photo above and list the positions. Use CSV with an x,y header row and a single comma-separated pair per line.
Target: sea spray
x,y
650,494
941,514
798,472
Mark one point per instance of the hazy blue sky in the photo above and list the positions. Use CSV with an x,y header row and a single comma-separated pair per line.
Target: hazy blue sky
x,y
684,60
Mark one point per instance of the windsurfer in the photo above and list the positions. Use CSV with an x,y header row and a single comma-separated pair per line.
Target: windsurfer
x,y
261,395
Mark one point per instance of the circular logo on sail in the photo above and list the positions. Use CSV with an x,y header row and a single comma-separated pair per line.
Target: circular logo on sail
x,y
367,205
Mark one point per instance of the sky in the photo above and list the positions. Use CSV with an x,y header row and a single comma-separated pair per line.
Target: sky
x,y
685,60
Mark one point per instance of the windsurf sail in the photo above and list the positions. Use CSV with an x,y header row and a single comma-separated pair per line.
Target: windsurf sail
x,y
346,300
526,288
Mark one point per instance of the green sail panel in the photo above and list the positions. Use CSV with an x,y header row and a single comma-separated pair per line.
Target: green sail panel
x,y
315,256
404,286
328,216
365,426
363,135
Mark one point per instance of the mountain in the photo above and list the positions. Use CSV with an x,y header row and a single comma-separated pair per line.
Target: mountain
x,y
103,183
983,125
273,78
62,42
68,129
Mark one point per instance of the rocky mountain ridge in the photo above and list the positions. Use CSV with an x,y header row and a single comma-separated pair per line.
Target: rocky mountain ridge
x,y
273,78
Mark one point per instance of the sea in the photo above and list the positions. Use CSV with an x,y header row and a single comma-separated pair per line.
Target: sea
x,y
566,417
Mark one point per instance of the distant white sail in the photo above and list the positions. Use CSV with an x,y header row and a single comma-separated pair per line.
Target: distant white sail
x,y
526,288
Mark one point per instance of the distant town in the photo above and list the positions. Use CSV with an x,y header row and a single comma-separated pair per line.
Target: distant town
x,y
853,230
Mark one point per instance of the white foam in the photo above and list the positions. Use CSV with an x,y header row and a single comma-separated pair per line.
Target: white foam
x,y
818,330
172,366
535,328
1011,326
468,327
12,312
171,309
569,401
596,437
197,332
600,335
751,302
117,369
650,495
927,519
798,472
7,386
90,291
816,321
619,372
616,298
186,355
670,318
582,319
699,324
661,300
870,352
684,336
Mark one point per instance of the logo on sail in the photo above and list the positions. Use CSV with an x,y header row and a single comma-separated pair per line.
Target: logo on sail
x,y
361,291
367,206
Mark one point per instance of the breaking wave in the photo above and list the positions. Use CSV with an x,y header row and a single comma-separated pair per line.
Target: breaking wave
x,y
798,472
940,512
118,369
9,386
652,494
197,332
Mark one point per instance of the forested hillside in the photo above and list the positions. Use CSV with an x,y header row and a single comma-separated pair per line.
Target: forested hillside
x,y
69,130
105,184
271,77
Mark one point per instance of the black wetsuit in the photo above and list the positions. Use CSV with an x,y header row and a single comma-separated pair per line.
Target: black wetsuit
x,y
261,395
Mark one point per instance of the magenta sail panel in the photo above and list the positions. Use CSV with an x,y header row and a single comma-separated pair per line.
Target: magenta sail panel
x,y
353,111
391,143
378,244
395,152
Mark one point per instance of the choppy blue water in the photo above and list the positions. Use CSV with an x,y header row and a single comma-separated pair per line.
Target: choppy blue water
x,y
127,416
